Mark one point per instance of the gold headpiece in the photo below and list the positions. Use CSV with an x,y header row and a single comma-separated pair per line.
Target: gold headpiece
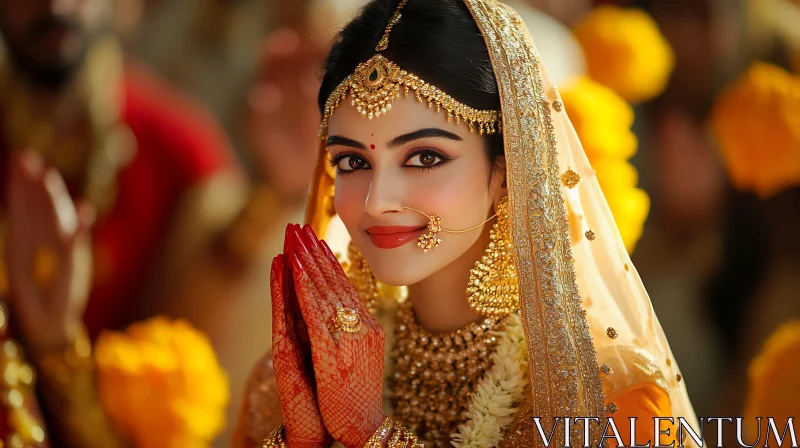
x,y
376,84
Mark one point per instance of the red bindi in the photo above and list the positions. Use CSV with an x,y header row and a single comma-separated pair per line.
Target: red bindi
x,y
372,146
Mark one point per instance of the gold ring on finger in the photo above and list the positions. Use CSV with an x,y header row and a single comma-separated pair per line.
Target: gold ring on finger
x,y
334,326
348,319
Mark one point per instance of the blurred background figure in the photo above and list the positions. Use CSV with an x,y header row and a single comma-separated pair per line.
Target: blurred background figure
x,y
152,168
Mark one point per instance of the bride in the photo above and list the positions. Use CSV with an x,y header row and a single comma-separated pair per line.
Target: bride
x,y
448,157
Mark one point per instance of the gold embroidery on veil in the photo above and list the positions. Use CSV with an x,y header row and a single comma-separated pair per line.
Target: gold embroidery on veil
x,y
564,371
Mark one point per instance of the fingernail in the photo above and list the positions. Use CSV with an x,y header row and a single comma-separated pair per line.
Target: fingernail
x,y
276,263
286,236
288,244
298,241
307,238
310,231
328,250
296,263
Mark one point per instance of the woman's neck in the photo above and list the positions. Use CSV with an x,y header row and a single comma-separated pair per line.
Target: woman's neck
x,y
440,301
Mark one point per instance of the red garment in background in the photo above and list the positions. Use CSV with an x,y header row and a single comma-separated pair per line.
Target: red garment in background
x,y
178,146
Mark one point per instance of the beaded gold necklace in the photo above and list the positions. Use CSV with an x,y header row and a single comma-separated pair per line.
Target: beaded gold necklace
x,y
436,374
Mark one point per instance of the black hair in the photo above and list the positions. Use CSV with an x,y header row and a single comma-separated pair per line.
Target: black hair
x,y
436,40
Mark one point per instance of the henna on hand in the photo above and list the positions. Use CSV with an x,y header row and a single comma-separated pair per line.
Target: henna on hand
x,y
291,352
348,367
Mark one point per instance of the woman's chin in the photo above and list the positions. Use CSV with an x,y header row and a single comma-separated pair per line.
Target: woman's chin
x,y
397,276
399,272
406,265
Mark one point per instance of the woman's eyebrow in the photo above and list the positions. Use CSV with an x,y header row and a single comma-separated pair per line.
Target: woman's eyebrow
x,y
342,141
422,133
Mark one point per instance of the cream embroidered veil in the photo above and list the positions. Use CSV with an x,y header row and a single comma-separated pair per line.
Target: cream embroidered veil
x,y
590,328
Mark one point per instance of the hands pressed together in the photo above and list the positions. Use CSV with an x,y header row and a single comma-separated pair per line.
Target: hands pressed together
x,y
330,382
48,255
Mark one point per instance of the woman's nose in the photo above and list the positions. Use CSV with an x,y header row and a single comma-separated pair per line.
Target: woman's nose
x,y
384,196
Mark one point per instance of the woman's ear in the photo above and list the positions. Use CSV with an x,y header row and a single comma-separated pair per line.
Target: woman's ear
x,y
498,185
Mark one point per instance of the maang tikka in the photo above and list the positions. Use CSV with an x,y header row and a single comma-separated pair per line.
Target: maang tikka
x,y
376,83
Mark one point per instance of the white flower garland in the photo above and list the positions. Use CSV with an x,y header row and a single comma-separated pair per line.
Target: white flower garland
x,y
499,393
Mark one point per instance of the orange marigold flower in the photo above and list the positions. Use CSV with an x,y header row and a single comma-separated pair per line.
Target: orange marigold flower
x,y
625,51
161,384
773,378
757,124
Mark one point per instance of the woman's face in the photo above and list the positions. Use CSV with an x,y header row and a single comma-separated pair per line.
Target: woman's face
x,y
410,157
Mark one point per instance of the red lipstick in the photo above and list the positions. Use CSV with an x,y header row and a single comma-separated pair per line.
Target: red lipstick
x,y
390,237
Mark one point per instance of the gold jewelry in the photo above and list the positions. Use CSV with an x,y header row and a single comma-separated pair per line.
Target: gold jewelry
x,y
375,85
276,438
18,386
347,320
493,288
401,437
444,368
362,278
334,326
381,434
430,240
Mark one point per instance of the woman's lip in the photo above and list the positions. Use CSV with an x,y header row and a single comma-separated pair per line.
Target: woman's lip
x,y
390,237
389,230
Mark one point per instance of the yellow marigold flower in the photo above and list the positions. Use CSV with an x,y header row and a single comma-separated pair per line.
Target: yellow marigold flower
x,y
625,51
614,175
629,205
630,208
603,122
757,124
162,385
773,376
601,118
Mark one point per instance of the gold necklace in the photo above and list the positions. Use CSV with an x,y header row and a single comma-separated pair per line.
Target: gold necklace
x,y
435,374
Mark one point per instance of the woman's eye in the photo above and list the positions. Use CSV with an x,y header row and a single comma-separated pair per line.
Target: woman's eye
x,y
425,159
352,163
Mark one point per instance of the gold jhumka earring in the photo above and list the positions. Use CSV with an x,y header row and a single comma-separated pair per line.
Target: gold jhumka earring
x,y
493,288
430,240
